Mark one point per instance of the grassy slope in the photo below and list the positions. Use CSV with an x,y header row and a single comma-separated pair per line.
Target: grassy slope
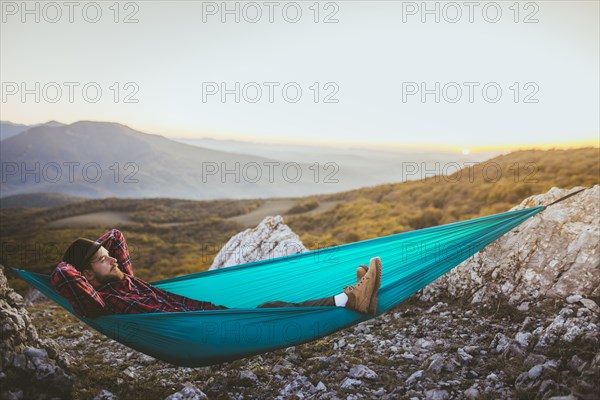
x,y
488,188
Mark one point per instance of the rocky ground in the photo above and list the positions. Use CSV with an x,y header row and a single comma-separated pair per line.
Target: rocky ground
x,y
518,320
420,350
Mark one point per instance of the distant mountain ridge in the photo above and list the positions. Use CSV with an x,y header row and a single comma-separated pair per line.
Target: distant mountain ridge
x,y
103,159
95,159
8,129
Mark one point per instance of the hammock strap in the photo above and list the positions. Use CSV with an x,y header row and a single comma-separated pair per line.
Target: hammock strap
x,y
567,196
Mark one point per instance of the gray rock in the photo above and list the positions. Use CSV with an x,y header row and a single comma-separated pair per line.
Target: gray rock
x,y
464,355
348,383
566,329
437,364
566,312
573,298
130,372
500,342
33,296
188,393
415,377
320,387
535,371
532,262
523,338
424,343
248,375
590,305
471,393
492,377
362,371
436,394
32,352
270,239
472,350
32,368
106,395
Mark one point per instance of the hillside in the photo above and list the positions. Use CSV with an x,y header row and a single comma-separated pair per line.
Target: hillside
x,y
38,200
487,188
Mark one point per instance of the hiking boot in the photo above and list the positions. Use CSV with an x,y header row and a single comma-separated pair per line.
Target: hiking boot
x,y
360,272
362,297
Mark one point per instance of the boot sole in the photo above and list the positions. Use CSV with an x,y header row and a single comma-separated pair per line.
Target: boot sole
x,y
374,299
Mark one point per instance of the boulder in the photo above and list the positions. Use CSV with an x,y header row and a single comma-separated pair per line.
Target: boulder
x,y
556,254
30,367
272,238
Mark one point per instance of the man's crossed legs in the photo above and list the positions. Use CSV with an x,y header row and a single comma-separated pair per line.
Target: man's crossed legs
x,y
361,297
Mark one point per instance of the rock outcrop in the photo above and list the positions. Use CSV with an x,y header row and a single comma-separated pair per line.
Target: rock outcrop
x,y
270,239
554,254
30,367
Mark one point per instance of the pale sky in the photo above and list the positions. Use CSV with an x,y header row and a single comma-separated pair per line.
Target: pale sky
x,y
372,57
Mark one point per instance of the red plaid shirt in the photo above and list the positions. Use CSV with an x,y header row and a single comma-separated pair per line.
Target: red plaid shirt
x,y
129,296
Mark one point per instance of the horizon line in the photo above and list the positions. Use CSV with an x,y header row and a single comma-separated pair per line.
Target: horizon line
x,y
386,146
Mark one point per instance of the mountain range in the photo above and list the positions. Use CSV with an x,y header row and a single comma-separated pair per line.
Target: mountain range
x,y
103,159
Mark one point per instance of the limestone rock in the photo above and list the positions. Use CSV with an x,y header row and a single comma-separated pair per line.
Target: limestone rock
x,y
106,395
30,368
436,394
270,239
348,383
188,393
33,296
362,371
591,305
567,328
554,254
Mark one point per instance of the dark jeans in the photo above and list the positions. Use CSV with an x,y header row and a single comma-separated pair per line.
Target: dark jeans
x,y
325,301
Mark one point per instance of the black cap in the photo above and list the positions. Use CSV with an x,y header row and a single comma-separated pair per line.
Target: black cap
x,y
81,251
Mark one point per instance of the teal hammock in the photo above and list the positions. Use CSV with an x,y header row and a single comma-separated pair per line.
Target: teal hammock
x,y
411,260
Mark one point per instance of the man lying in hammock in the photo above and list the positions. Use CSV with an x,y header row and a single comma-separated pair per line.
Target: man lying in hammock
x,y
97,279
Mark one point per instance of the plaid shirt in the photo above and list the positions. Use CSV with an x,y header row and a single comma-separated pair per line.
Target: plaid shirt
x,y
132,295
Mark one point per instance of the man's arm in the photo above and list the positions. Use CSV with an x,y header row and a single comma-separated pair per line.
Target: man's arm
x,y
117,248
136,303
73,286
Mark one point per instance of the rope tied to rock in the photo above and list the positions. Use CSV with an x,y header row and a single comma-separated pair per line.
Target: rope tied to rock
x,y
566,197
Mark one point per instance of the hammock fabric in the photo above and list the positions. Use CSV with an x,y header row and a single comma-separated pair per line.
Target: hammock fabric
x,y
411,260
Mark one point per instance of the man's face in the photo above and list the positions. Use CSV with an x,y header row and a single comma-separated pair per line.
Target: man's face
x,y
104,269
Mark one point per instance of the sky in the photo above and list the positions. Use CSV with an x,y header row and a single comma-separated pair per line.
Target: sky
x,y
378,73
